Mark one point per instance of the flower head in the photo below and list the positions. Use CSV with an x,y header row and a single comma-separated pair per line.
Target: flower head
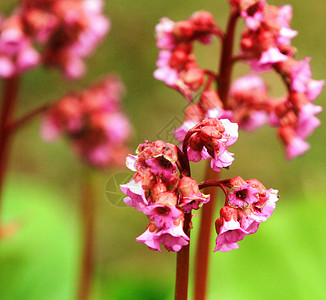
x,y
247,205
93,122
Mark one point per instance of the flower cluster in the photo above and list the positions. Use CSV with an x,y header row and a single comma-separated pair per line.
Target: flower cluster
x,y
295,114
177,65
265,45
247,204
267,38
158,191
65,31
93,122
167,198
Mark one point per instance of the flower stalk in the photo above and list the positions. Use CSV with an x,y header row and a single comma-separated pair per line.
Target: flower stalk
x,y
87,214
182,265
207,215
9,97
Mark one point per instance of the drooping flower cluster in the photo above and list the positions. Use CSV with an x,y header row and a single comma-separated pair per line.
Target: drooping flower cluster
x,y
177,65
266,45
267,40
158,192
166,197
65,31
295,114
93,122
247,204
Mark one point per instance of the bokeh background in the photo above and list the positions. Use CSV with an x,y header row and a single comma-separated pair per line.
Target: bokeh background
x,y
285,259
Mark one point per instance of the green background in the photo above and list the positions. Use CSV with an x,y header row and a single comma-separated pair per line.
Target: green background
x,y
285,259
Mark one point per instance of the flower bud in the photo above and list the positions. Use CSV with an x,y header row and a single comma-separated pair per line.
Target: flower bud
x,y
194,113
203,19
194,78
188,186
156,190
210,99
167,198
183,29
178,59
229,213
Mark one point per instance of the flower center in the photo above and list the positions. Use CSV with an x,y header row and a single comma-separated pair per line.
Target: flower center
x,y
242,194
163,210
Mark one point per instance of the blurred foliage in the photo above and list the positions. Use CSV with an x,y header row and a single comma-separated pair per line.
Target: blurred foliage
x,y
285,259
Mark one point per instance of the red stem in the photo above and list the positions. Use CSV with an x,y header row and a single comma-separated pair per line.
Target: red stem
x,y
9,96
225,70
218,183
203,243
87,219
23,120
182,272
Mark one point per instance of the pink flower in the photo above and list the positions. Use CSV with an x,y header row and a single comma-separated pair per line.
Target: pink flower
x,y
163,215
255,120
211,140
131,161
271,56
230,135
161,167
16,52
284,18
164,72
301,79
307,122
173,239
150,238
228,236
243,195
296,146
221,159
254,14
164,34
136,195
300,75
